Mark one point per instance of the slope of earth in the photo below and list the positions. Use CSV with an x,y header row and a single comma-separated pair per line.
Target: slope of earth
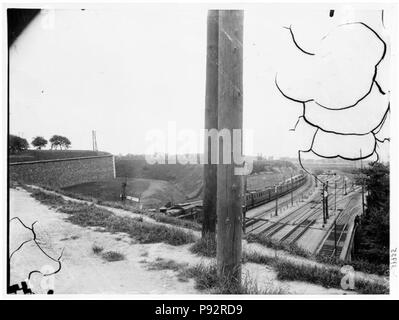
x,y
152,193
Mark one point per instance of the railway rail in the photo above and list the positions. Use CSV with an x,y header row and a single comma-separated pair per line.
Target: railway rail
x,y
302,219
332,246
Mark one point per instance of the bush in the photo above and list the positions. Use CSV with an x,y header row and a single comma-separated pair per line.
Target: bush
x,y
112,256
97,249
206,246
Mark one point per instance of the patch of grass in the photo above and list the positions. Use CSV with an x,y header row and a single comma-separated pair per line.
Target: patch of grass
x,y
329,278
358,265
366,287
274,244
206,278
97,249
112,256
49,199
206,246
142,231
326,277
157,216
162,264
86,215
160,217
256,257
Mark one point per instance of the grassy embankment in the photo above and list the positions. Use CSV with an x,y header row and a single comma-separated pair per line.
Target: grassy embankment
x,y
86,215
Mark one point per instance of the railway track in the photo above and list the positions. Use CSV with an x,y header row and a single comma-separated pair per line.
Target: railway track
x,y
303,218
333,245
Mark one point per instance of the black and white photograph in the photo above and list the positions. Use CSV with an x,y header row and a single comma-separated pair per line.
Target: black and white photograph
x,y
200,150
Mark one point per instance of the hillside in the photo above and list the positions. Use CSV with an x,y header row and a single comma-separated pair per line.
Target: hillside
x,y
188,179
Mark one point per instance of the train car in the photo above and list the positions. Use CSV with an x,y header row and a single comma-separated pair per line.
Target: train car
x,y
259,197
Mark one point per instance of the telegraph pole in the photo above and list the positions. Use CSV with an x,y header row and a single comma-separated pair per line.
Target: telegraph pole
x,y
292,190
335,237
323,204
362,178
326,199
230,116
276,201
211,122
335,196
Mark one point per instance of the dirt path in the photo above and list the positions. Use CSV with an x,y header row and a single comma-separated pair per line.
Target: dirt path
x,y
82,270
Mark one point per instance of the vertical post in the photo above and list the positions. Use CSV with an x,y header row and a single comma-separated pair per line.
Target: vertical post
x,y
244,209
229,185
211,122
323,203
276,201
335,237
327,200
361,172
292,190
335,197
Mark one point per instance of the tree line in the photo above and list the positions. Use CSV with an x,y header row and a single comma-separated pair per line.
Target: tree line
x,y
372,235
17,144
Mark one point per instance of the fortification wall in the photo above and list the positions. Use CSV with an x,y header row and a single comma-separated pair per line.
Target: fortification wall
x,y
59,173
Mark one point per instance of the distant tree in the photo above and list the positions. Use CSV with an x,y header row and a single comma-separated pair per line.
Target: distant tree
x,y
39,142
17,144
65,142
59,141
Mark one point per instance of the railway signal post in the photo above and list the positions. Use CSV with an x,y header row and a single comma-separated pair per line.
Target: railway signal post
x,y
230,117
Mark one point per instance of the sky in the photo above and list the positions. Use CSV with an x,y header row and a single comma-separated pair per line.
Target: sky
x,y
129,69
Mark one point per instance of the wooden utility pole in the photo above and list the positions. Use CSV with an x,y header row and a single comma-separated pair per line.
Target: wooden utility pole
x,y
211,122
362,178
229,185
